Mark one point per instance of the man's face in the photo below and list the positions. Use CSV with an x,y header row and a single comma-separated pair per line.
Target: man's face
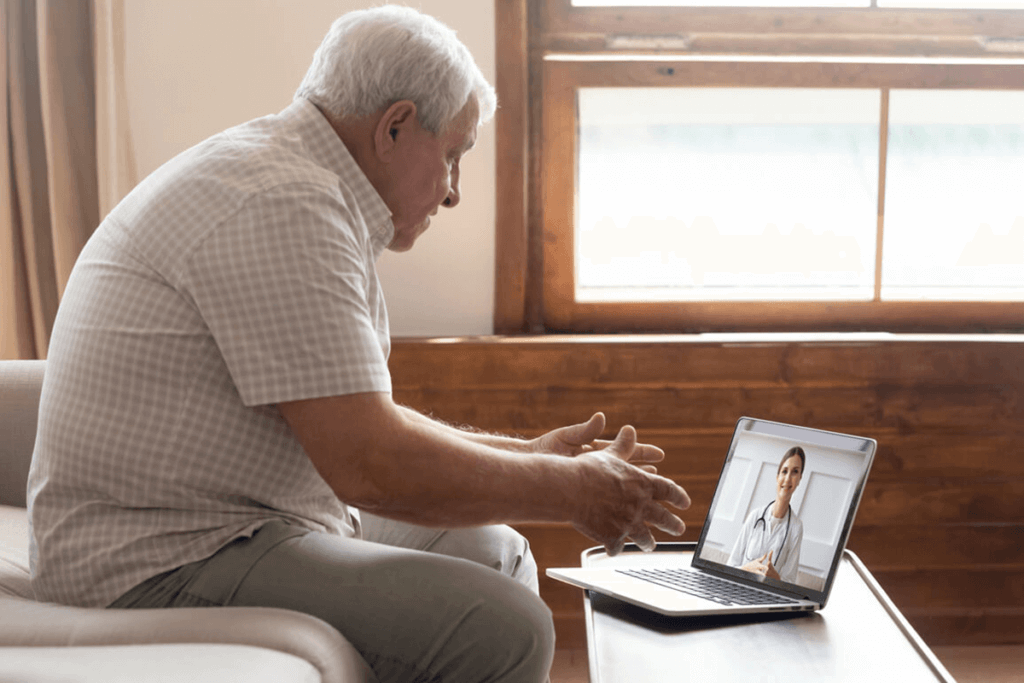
x,y
426,173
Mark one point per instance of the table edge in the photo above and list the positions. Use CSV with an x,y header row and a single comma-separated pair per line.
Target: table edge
x,y
904,626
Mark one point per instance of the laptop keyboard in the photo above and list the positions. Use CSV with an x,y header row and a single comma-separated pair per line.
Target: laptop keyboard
x,y
708,587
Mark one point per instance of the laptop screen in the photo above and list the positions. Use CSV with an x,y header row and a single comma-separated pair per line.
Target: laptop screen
x,y
784,506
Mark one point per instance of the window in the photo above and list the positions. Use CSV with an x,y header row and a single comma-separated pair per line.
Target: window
x,y
713,168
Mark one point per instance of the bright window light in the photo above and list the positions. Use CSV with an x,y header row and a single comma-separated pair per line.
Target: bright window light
x,y
727,194
954,205
721,3
908,4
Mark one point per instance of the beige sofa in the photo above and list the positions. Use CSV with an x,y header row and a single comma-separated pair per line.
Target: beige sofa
x,y
45,642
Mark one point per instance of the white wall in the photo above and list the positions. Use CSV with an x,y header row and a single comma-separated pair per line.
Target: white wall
x,y
195,67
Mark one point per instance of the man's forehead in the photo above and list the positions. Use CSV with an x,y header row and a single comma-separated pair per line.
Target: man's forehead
x,y
469,139
465,126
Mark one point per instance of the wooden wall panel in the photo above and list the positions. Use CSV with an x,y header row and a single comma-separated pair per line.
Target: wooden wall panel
x,y
941,524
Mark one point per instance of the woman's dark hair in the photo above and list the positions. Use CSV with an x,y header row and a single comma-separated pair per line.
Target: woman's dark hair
x,y
798,452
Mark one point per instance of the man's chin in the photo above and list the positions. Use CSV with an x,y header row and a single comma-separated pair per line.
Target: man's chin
x,y
405,239
400,244
400,247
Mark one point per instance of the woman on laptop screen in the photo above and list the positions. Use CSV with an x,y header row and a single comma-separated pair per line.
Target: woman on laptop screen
x,y
769,542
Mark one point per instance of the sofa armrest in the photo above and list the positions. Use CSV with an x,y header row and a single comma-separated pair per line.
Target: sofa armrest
x,y
20,384
192,662
27,623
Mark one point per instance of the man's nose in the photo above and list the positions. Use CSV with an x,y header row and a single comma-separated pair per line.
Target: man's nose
x,y
453,198
454,194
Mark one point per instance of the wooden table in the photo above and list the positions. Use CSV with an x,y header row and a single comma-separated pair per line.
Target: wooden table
x,y
859,636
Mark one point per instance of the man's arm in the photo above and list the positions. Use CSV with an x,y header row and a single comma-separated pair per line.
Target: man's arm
x,y
570,440
378,457
500,441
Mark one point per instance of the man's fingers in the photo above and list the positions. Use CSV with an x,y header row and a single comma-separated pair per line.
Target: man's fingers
x,y
645,452
637,452
670,492
625,442
641,453
660,518
643,538
585,432
580,436
615,547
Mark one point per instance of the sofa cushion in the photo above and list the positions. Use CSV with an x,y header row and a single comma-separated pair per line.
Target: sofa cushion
x,y
14,571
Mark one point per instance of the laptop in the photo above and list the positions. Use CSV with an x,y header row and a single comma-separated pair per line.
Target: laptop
x,y
750,559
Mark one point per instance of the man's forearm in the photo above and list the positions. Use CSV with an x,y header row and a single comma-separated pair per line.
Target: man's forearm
x,y
499,441
399,464
382,458
437,475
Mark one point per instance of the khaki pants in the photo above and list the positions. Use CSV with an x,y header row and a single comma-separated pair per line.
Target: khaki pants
x,y
419,604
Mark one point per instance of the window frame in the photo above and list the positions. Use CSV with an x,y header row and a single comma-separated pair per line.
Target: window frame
x,y
547,49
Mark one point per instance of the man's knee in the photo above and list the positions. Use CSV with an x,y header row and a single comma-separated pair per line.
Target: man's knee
x,y
516,634
536,641
499,547
492,628
514,558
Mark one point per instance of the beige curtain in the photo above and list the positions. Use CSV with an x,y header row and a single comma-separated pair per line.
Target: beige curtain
x,y
115,155
49,197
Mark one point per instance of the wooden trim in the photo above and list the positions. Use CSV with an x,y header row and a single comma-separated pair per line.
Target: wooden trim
x,y
808,316
797,73
810,45
711,44
534,292
558,179
590,25
562,313
730,361
511,120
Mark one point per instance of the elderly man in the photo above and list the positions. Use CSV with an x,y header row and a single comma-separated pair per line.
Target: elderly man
x,y
216,425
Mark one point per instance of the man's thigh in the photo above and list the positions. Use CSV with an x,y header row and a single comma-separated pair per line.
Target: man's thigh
x,y
413,615
497,546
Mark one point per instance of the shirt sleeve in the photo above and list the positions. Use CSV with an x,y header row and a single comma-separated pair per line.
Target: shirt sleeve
x,y
283,286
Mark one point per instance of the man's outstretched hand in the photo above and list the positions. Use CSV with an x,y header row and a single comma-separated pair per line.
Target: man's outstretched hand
x,y
619,501
582,438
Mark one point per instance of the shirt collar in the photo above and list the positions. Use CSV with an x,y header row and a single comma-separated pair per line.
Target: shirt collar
x,y
328,150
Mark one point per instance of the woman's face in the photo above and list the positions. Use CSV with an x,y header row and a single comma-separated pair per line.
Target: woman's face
x,y
790,473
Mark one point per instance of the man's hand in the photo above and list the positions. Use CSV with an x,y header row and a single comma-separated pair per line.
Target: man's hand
x,y
619,500
582,438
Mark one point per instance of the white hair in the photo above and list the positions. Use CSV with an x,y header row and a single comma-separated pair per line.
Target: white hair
x,y
372,58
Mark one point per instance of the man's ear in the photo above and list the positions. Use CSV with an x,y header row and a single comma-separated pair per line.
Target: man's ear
x,y
393,123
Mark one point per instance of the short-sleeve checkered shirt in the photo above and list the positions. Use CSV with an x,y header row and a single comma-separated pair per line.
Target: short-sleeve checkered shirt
x,y
237,276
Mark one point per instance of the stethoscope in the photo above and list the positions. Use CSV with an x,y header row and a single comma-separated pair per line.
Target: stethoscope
x,y
778,560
